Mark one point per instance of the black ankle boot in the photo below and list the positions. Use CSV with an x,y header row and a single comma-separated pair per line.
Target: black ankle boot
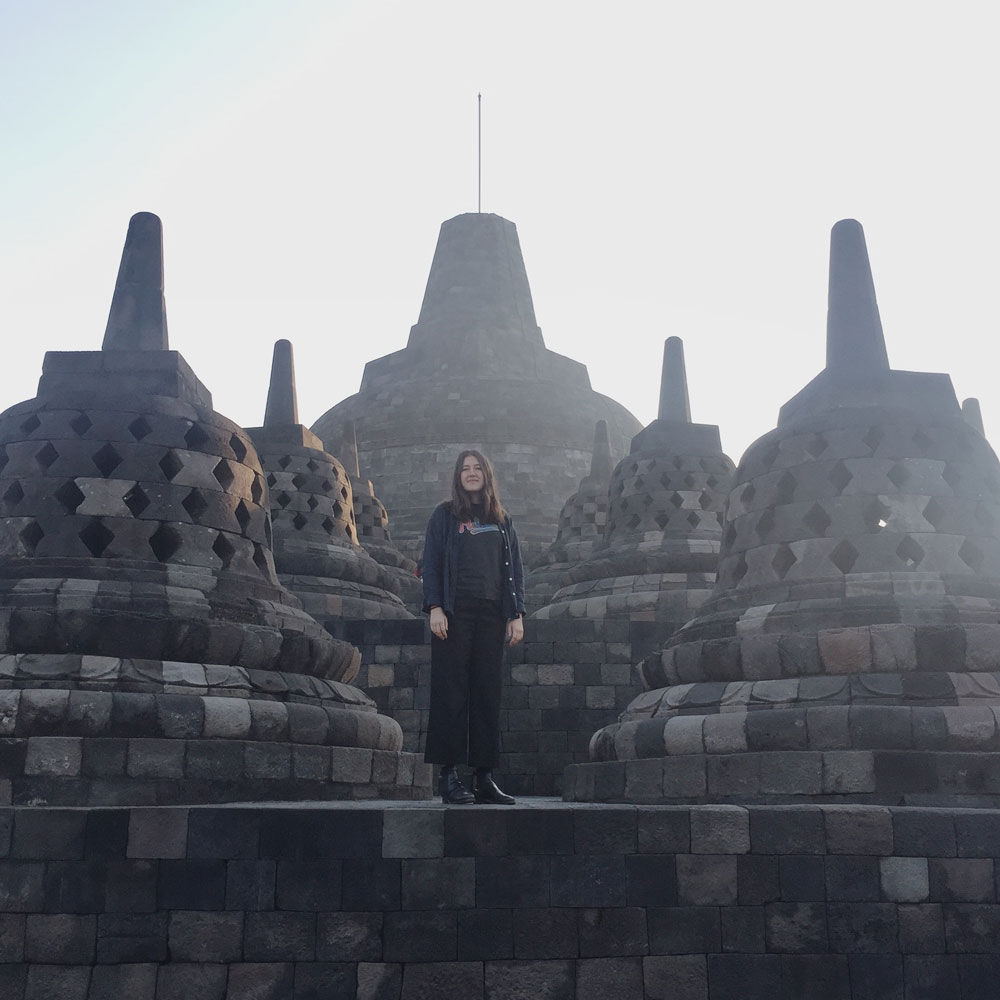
x,y
486,791
452,791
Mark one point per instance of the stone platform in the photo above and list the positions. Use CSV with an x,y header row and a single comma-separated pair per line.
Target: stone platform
x,y
546,899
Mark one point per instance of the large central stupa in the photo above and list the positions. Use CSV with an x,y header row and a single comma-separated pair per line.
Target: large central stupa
x,y
476,372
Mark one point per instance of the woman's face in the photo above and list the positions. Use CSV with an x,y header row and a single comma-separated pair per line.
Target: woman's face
x,y
471,477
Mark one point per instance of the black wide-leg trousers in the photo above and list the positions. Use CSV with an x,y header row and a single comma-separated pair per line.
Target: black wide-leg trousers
x,y
466,683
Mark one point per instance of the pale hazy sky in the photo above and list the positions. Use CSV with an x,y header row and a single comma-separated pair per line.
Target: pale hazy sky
x,y
673,169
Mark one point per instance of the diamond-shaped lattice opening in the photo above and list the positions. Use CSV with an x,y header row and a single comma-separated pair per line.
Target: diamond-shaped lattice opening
x,y
260,559
256,490
705,500
300,521
224,474
662,520
784,559
740,569
338,509
765,523
195,504
840,476
136,500
817,520
770,456
749,492
107,460
282,500
971,555
299,480
312,503
272,480
70,495
678,462
97,537
693,519
31,535
139,428
328,525
951,475
711,482
239,448
46,455
284,461
81,423
14,493
898,475
312,465
196,438
844,556
689,480
923,442
934,512
786,488
638,484
4,457
164,542
268,534
31,424
343,492
632,521
171,464
242,516
876,515
817,445
910,551
676,499
730,536
224,549
873,438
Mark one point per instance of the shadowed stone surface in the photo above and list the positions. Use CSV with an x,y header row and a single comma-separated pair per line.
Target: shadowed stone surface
x,y
854,620
476,373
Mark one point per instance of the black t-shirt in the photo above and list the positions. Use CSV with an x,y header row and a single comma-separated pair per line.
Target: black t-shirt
x,y
480,559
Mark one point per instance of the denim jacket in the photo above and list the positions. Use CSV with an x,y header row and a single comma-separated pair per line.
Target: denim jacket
x,y
440,564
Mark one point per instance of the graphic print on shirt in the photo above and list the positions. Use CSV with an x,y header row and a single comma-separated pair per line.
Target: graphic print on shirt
x,y
473,527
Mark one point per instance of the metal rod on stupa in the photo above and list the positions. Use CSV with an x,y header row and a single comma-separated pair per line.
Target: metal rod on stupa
x,y
855,345
138,317
674,403
282,406
973,414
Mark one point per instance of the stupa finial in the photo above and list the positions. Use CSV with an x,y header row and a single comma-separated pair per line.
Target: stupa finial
x,y
138,317
601,463
973,414
282,406
674,403
349,449
855,345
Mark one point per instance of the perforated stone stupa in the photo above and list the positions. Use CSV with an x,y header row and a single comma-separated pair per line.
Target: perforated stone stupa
x,y
149,652
851,649
316,549
476,373
657,556
371,519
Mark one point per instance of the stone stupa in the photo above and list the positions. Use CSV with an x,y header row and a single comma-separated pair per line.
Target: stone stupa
x,y
150,654
476,373
851,649
316,549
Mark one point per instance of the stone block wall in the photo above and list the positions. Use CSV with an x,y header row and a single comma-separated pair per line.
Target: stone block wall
x,y
562,901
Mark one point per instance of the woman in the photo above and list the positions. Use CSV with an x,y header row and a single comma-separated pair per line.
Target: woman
x,y
474,592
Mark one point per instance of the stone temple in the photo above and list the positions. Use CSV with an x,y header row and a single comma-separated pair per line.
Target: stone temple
x,y
800,800
475,372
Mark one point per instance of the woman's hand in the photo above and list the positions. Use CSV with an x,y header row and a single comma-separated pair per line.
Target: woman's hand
x,y
439,623
515,631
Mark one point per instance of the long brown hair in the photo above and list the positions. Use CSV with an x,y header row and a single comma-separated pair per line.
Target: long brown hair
x,y
461,500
